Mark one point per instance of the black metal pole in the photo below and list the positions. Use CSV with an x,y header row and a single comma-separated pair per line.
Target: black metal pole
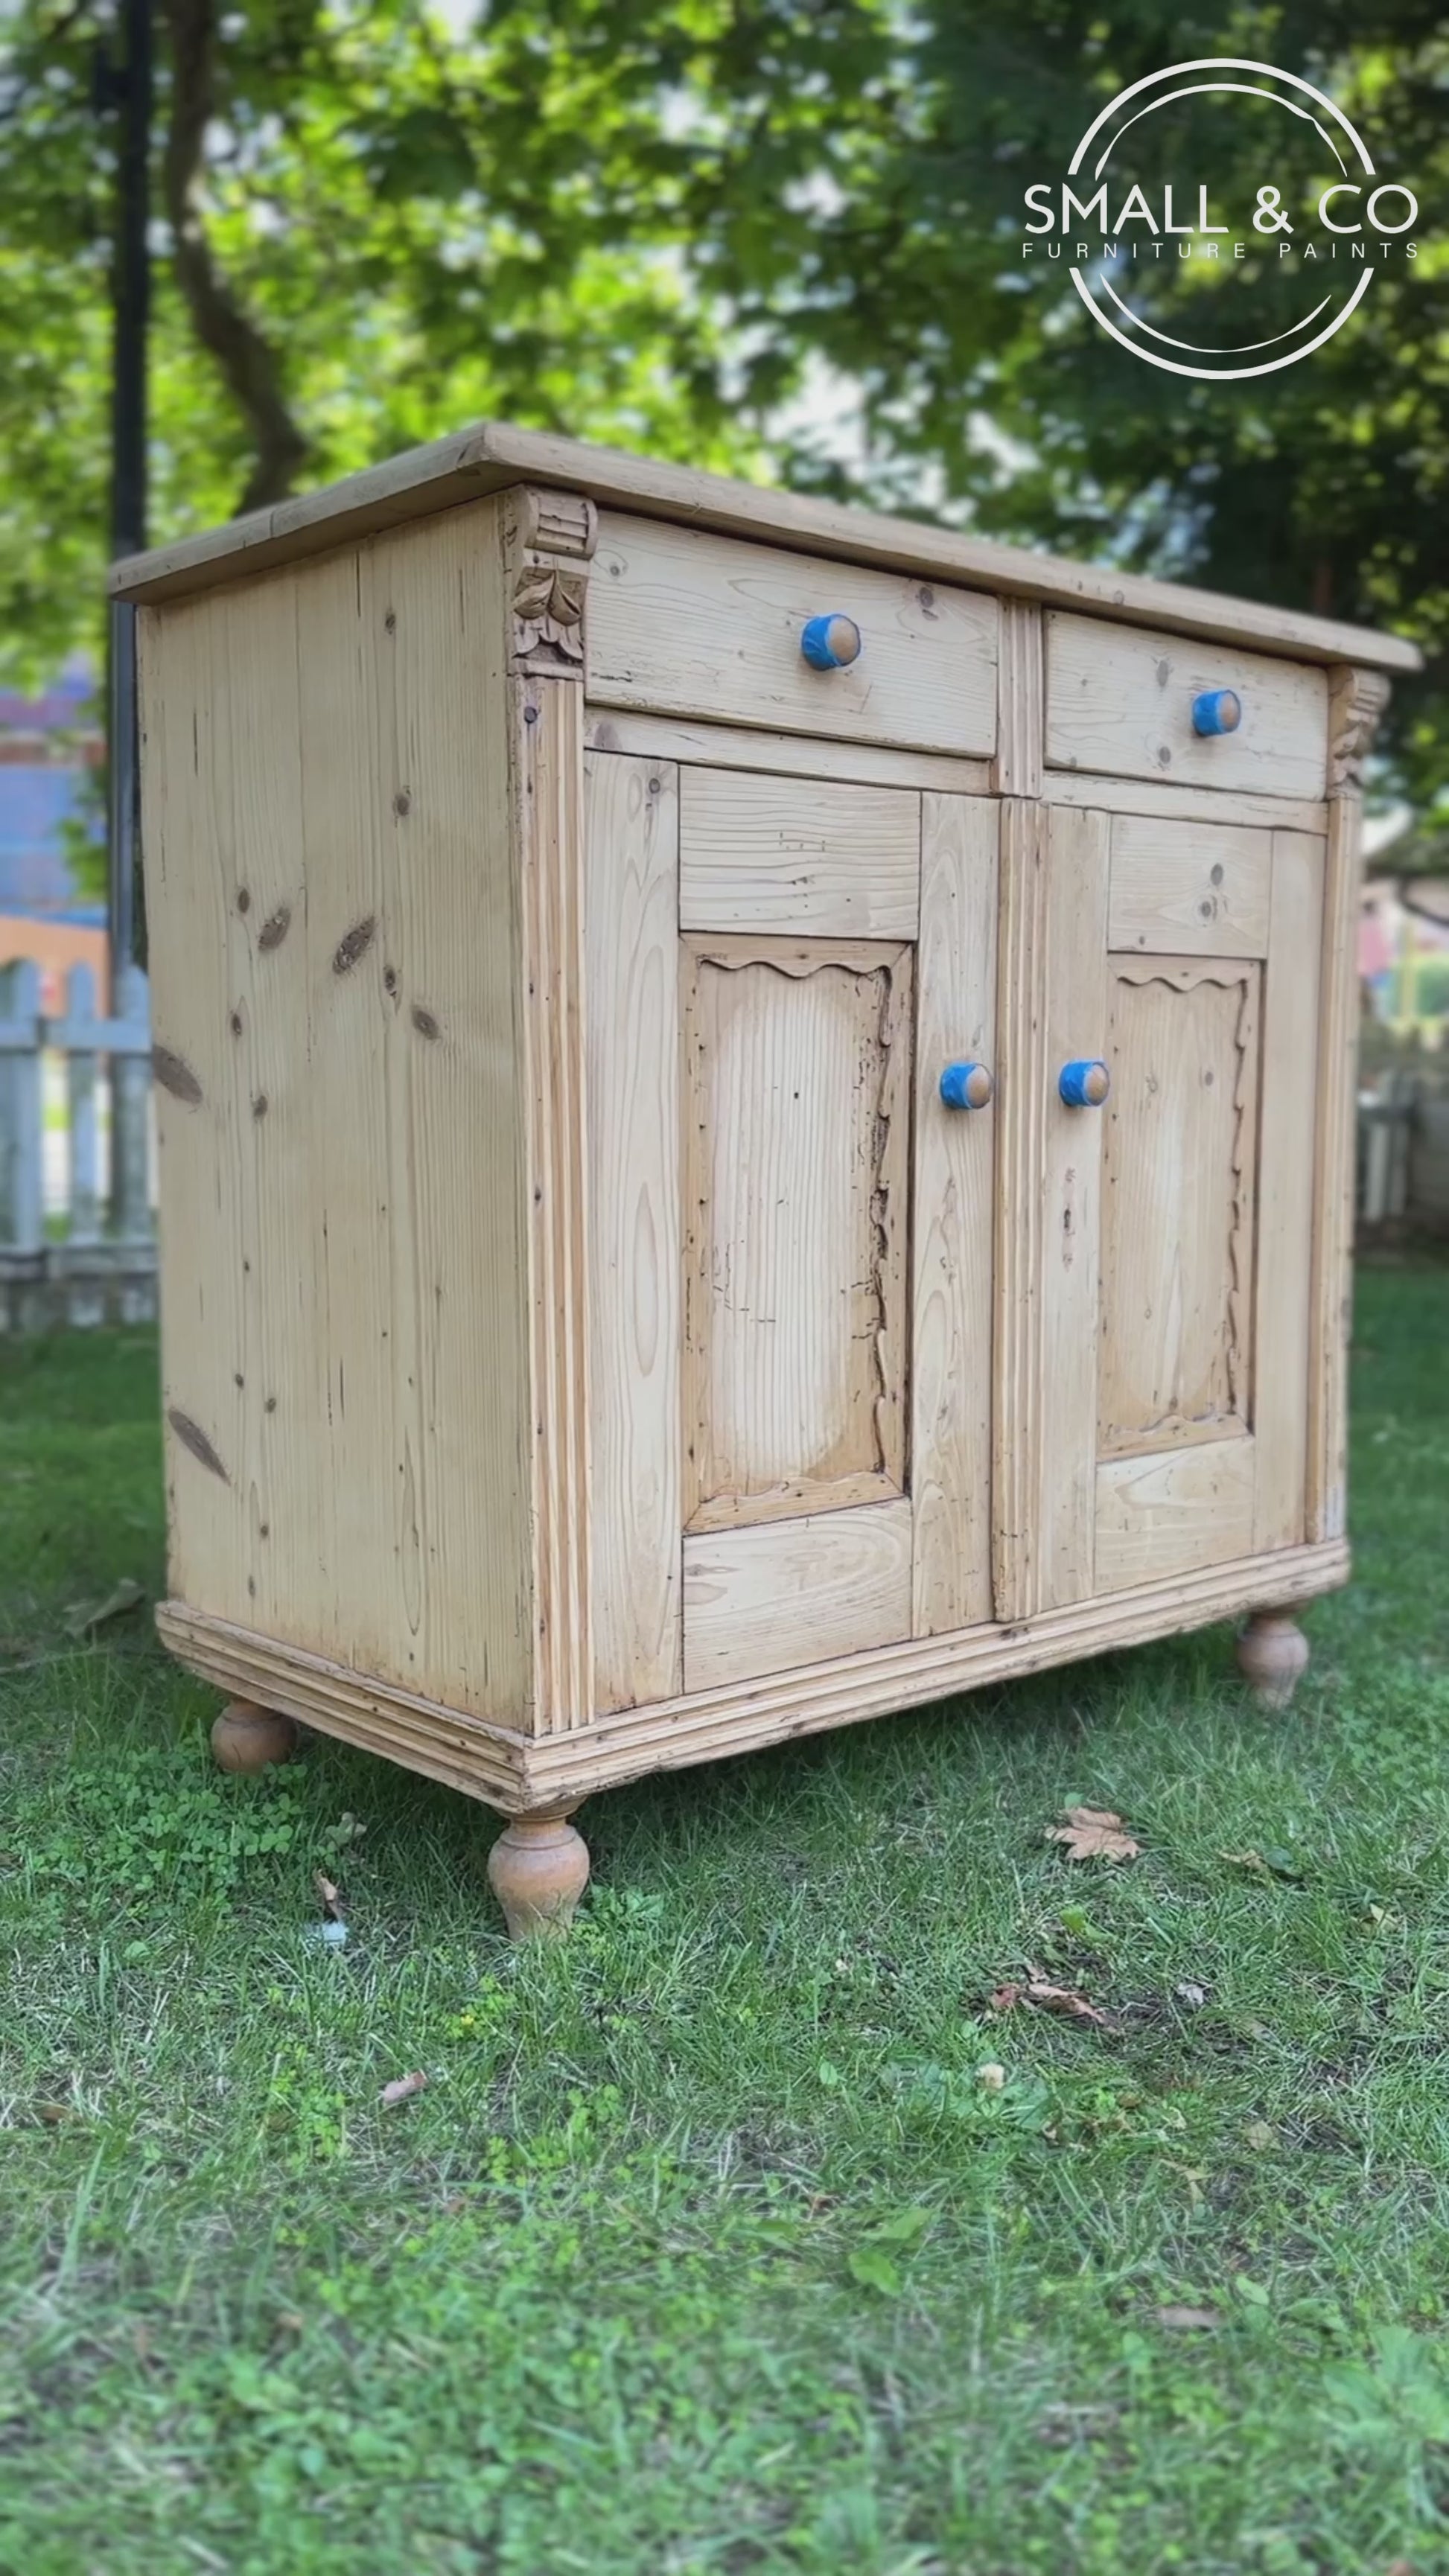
x,y
131,297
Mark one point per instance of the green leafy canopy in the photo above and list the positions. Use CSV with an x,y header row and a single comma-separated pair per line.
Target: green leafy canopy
x,y
772,236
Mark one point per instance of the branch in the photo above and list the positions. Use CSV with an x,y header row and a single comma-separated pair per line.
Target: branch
x,y
248,362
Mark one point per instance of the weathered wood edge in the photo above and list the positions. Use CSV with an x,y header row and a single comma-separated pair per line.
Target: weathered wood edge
x,y
491,456
515,1774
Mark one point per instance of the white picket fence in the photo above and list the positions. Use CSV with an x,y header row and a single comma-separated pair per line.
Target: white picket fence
x,y
77,1225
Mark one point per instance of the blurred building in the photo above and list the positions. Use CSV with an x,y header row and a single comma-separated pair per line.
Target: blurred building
x,y
52,832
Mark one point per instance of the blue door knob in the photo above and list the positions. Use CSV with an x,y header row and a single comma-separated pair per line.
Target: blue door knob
x,y
1084,1083
1217,711
967,1086
829,643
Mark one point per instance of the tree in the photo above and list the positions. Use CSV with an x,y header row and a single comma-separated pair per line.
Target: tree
x,y
684,226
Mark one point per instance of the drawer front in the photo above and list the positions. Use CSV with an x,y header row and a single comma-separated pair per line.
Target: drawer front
x,y
688,624
1120,704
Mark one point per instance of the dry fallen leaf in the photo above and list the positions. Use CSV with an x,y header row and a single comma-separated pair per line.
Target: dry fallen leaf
x,y
1267,1865
1048,1998
1260,2136
403,2087
1093,1833
82,1617
331,1899
1180,2320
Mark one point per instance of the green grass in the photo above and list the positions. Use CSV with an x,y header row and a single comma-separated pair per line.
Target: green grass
x,y
706,2248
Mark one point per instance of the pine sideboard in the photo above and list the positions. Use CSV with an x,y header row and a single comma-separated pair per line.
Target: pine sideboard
x,y
755,1116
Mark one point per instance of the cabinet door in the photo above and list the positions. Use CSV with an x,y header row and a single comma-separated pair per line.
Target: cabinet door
x,y
789,1272
1156,1249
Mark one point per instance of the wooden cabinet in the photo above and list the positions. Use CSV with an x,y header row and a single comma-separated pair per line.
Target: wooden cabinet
x,y
754,1113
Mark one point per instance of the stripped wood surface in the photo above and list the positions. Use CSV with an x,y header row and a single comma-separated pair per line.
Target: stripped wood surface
x,y
1285,1188
493,455
1179,1188
334,956
635,1282
799,856
548,828
1199,889
1121,700
519,1774
1153,798
1051,1008
1168,1514
955,1162
796,1121
782,755
1021,721
1356,702
685,623
770,1598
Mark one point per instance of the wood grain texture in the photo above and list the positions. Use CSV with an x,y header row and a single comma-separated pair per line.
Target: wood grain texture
x,y
1356,702
635,1287
796,1121
685,623
548,824
518,1774
955,1160
801,857
1190,889
1051,1007
1177,1227
1171,1513
783,755
334,953
1285,1187
1121,701
492,455
786,1593
1153,800
1021,721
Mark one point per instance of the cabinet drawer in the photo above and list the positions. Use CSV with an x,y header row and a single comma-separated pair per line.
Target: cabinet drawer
x,y
684,623
1120,703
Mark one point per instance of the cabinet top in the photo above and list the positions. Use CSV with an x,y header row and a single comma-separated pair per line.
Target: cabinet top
x,y
492,455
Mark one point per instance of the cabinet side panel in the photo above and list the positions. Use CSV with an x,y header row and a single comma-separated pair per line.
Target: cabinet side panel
x,y
1285,1187
631,845
334,947
950,1449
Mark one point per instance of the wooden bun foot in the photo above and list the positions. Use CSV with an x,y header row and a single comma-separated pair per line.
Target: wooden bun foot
x,y
1273,1657
245,1738
538,1869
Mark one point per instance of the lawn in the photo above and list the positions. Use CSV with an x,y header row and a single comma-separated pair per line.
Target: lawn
x,y
707,2245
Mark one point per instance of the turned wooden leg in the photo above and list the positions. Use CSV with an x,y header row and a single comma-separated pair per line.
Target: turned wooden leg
x,y
246,1738
538,1869
1273,1657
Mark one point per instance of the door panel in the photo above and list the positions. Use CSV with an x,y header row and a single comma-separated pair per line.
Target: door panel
x,y
799,855
1177,1220
761,1599
796,1167
1154,1258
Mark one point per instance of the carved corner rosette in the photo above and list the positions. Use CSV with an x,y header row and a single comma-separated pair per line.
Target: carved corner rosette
x,y
549,539
1356,703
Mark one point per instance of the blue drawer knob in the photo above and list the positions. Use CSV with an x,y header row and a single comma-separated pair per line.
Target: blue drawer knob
x,y
967,1086
1084,1083
830,643
1217,711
